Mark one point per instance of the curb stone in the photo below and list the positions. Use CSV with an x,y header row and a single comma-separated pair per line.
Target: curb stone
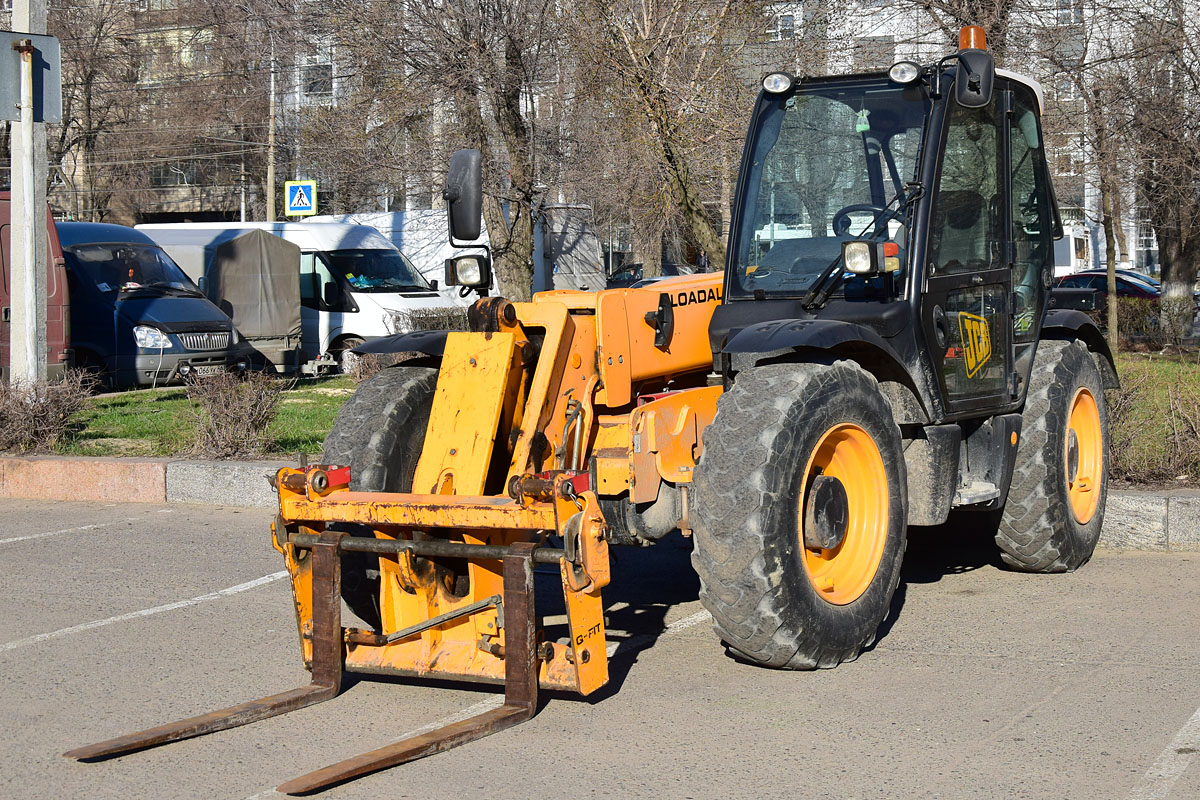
x,y
1133,520
140,480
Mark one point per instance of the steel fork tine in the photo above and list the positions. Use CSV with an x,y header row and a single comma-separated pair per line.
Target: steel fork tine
x,y
520,691
326,671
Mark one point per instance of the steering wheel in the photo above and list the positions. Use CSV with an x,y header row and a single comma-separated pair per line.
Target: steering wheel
x,y
842,221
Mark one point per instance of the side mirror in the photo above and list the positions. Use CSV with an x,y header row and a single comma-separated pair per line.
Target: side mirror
x,y
433,284
330,294
976,78
202,284
464,195
473,271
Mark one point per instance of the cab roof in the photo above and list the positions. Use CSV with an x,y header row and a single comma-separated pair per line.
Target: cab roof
x,y
76,233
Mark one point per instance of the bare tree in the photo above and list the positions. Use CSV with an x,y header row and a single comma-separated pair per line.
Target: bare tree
x,y
470,70
994,16
1165,90
99,71
669,69
1092,112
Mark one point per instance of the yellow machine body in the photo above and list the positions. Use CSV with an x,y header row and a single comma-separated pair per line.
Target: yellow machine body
x,y
570,390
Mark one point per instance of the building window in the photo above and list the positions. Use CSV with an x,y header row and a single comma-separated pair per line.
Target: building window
x,y
166,175
787,26
317,80
782,24
1068,12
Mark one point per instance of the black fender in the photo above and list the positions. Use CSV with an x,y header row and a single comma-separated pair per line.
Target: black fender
x,y
1067,324
431,343
783,339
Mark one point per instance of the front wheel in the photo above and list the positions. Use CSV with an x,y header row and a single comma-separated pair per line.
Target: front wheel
x,y
1055,507
348,361
799,514
379,434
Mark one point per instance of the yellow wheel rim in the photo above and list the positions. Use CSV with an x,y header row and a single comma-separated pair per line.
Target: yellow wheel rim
x,y
848,453
1083,456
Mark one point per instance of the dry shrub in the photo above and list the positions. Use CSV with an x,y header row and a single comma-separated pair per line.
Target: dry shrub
x,y
1124,430
1137,320
429,319
1146,445
1178,314
367,365
34,417
1145,324
231,412
413,319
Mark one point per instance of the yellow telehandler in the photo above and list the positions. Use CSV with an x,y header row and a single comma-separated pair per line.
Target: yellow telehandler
x,y
879,349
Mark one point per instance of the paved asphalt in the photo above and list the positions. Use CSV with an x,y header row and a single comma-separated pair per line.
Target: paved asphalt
x,y
985,684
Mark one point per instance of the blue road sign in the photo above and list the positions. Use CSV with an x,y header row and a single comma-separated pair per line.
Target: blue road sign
x,y
300,198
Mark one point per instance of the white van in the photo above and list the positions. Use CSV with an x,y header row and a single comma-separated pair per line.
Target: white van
x,y
354,283
424,238
566,252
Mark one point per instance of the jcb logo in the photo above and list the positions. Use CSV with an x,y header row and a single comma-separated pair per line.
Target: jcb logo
x,y
976,342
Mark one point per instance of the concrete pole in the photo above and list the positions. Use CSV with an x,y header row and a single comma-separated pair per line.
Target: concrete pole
x,y
27,357
271,144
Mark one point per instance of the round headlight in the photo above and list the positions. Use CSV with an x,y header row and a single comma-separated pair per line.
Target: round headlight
x,y
777,82
904,72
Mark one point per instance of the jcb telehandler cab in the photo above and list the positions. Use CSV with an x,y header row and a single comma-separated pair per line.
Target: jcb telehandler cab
x,y
877,352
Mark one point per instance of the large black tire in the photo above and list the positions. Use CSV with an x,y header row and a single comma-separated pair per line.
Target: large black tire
x,y
759,462
1040,529
379,433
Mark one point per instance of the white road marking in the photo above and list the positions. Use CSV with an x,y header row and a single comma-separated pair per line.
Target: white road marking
x,y
1171,763
641,640
146,612
494,702
79,529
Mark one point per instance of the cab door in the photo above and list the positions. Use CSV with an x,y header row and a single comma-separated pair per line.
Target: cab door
x,y
315,326
965,307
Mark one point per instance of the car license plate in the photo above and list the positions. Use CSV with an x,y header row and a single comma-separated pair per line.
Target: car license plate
x,y
209,371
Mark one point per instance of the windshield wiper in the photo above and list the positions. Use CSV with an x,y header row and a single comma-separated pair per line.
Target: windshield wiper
x,y
174,288
815,295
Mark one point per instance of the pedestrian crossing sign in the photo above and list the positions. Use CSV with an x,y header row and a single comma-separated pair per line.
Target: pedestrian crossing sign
x,y
300,198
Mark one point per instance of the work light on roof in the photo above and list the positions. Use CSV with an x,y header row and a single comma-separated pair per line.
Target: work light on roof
x,y
904,72
777,83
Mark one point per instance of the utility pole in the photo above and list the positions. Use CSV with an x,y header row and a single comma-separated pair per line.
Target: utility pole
x,y
271,142
27,356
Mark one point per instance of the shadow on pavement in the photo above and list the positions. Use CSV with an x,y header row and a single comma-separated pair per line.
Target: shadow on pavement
x,y
647,582
962,544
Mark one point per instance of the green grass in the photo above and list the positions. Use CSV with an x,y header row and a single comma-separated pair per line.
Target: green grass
x,y
1152,441
156,422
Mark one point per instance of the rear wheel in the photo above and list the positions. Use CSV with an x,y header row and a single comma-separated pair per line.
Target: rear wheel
x,y
348,361
1055,506
93,366
799,514
379,434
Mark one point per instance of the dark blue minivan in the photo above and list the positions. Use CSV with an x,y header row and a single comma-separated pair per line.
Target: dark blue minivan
x,y
136,318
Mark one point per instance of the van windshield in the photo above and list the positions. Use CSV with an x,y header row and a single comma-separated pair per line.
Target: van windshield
x,y
129,267
377,270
